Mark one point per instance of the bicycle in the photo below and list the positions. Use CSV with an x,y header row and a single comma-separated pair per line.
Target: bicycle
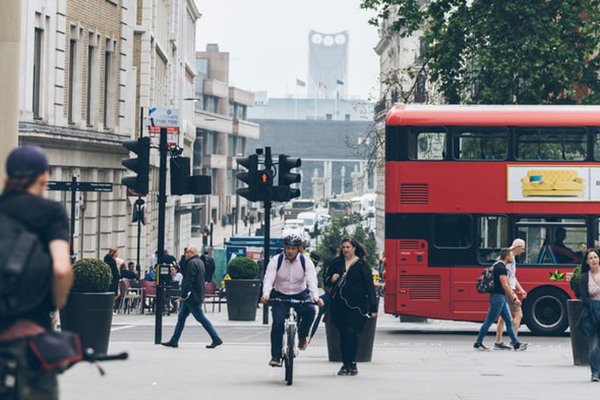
x,y
289,350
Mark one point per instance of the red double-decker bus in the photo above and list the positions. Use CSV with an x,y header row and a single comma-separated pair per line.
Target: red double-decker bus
x,y
464,181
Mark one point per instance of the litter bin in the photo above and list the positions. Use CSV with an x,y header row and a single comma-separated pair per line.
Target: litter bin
x,y
364,352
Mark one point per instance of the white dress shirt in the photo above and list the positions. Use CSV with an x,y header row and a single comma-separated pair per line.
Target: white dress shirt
x,y
291,279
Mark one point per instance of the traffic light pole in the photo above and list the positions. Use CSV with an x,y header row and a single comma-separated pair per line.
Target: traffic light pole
x,y
138,209
267,252
162,202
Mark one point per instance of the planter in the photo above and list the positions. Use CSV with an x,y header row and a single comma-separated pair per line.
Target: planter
x,y
579,343
90,316
242,295
364,352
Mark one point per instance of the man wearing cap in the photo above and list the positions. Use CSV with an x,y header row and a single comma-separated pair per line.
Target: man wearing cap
x,y
517,248
22,199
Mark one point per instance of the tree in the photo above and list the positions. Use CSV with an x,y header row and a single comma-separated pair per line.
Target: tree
x,y
370,245
503,51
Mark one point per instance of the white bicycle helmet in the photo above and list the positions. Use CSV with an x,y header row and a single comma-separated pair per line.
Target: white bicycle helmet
x,y
292,239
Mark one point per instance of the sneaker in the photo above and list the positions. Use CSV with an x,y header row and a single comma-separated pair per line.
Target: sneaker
x,y
501,346
479,346
344,371
595,378
170,344
302,343
275,362
353,369
215,343
520,346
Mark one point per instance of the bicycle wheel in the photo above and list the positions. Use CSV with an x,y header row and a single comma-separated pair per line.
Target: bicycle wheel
x,y
289,359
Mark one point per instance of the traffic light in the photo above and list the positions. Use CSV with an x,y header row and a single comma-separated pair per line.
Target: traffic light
x,y
249,177
205,233
283,192
183,183
140,165
264,184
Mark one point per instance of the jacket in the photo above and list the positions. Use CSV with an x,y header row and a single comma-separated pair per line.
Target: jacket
x,y
589,319
356,287
192,285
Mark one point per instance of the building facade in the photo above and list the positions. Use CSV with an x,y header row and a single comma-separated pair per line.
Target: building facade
x,y
87,68
222,134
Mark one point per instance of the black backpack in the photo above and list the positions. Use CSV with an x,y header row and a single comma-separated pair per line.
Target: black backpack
x,y
302,261
25,269
485,282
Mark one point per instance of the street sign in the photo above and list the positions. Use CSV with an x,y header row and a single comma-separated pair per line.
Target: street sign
x,y
164,116
81,186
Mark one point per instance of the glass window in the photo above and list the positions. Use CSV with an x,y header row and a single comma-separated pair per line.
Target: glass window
x,y
597,144
552,240
231,109
493,236
481,144
563,144
428,144
37,74
452,231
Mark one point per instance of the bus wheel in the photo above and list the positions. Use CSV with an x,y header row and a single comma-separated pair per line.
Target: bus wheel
x,y
545,312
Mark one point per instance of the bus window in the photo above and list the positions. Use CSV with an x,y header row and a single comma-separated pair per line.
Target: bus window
x,y
481,144
428,144
597,145
452,230
493,236
562,144
552,240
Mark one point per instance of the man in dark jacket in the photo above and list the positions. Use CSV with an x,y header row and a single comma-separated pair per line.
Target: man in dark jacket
x,y
192,295
209,266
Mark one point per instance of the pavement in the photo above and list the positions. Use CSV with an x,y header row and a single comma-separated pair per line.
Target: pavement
x,y
411,361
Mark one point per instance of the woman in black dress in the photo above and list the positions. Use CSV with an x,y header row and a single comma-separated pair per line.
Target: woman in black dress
x,y
353,299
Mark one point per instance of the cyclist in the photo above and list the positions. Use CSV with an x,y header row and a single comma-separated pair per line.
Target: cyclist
x,y
290,275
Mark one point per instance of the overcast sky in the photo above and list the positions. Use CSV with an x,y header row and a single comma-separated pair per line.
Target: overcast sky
x,y
267,41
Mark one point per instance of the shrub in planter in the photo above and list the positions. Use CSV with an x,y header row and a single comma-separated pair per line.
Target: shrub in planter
x,y
574,281
242,268
242,290
91,275
89,308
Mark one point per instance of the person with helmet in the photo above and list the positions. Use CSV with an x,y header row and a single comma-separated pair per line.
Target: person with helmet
x,y
290,275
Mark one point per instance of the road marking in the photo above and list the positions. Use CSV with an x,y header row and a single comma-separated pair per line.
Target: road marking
x,y
120,328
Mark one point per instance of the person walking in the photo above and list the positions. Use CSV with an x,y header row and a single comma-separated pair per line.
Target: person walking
x,y
192,296
517,248
27,172
498,305
209,266
589,319
353,299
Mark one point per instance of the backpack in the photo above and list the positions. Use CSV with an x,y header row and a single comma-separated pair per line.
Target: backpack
x,y
485,282
25,269
302,261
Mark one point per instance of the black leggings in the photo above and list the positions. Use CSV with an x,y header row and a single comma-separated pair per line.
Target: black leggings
x,y
348,343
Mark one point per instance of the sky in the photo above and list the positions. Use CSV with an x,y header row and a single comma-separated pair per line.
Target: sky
x,y
267,42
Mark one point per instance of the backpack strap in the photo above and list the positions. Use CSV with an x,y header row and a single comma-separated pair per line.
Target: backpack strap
x,y
302,261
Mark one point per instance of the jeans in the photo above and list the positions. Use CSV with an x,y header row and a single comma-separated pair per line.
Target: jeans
x,y
196,310
306,314
498,307
594,347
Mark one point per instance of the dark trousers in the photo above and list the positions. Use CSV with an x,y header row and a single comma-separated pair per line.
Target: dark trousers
x,y
348,344
306,315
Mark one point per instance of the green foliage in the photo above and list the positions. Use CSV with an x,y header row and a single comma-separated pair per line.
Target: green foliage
x,y
574,281
332,237
242,268
91,275
370,245
503,52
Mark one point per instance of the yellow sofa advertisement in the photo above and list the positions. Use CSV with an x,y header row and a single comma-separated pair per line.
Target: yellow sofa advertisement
x,y
553,183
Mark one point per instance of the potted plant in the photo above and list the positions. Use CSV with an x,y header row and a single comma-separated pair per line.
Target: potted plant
x,y
242,290
89,307
579,344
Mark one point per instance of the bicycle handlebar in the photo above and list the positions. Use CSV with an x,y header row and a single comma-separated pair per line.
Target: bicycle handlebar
x,y
291,301
90,356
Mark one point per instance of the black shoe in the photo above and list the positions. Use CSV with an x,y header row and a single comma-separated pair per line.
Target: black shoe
x,y
353,369
344,371
595,378
520,346
215,343
170,344
501,346
275,362
479,346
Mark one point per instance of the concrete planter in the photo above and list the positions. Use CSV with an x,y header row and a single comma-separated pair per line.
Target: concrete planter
x,y
242,298
579,343
90,316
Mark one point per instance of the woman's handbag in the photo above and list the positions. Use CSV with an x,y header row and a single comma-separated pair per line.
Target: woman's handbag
x,y
56,350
